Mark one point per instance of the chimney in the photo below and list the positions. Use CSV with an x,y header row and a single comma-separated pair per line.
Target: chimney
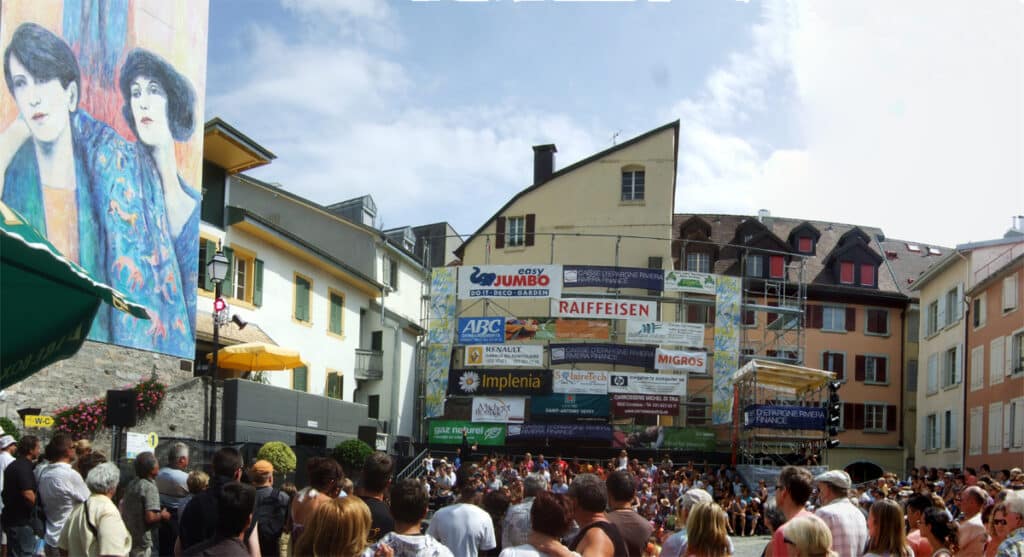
x,y
763,214
543,162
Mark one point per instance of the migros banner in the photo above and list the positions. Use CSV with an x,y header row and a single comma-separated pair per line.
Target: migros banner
x,y
679,360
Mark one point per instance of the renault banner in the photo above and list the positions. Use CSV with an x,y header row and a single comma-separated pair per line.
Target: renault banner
x,y
505,355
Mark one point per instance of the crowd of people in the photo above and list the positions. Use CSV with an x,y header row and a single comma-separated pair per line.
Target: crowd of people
x,y
66,499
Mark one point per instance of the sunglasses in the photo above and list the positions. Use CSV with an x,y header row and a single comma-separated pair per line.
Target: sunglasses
x,y
788,541
999,521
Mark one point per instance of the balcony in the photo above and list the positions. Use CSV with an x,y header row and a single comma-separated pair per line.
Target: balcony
x,y
369,364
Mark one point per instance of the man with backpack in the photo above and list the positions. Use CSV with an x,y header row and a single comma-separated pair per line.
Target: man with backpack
x,y
271,508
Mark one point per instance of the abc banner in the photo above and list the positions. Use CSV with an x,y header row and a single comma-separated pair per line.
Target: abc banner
x,y
510,281
604,308
481,382
665,333
646,384
449,432
678,360
576,381
499,409
481,330
505,355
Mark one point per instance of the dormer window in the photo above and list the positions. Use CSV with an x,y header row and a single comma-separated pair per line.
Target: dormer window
x,y
755,266
805,244
776,266
846,271
867,274
698,262
803,238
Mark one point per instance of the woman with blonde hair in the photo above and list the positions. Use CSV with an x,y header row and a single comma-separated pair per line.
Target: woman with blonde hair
x,y
808,536
886,533
707,532
338,527
998,530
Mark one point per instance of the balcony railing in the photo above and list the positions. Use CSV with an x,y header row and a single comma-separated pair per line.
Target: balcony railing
x,y
369,364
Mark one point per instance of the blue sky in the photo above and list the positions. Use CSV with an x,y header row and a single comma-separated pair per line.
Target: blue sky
x,y
905,117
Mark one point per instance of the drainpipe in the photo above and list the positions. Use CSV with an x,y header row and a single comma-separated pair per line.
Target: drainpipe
x,y
903,384
396,373
965,315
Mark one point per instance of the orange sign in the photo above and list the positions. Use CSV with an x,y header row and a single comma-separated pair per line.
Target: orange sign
x,y
556,329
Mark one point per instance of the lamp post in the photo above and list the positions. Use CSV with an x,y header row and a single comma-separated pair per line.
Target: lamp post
x,y
217,270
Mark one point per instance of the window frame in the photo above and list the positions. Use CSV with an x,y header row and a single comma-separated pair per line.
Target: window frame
x,y
202,270
341,384
800,244
515,238
635,193
304,366
931,432
1010,289
954,307
867,322
843,267
871,369
979,310
702,257
330,307
947,371
948,439
881,409
1016,358
828,363
249,257
932,324
749,268
842,321
389,272
295,298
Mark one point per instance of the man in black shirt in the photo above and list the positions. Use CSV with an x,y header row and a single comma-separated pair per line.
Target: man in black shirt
x,y
199,518
374,481
235,503
20,495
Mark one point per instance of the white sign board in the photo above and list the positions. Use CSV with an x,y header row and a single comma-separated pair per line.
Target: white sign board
x,y
499,409
136,443
579,382
505,355
607,308
690,281
510,281
646,384
664,333
679,360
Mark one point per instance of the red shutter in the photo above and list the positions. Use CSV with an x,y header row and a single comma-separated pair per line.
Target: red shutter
x,y
815,316
709,317
838,366
777,266
858,370
867,274
846,272
890,417
858,416
848,415
804,245
851,319
826,359
693,314
499,233
772,316
531,222
880,371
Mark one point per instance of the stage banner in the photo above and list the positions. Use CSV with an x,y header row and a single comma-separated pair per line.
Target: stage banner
x,y
510,281
784,417
663,333
646,384
440,336
690,281
613,277
481,330
499,409
449,432
608,308
568,406
662,437
577,432
645,405
556,329
727,347
575,381
678,360
639,356
505,355
478,382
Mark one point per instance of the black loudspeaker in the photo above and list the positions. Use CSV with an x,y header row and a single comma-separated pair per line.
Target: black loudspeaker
x,y
403,445
368,434
121,410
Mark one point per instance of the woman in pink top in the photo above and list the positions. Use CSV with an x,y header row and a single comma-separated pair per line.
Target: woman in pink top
x,y
915,512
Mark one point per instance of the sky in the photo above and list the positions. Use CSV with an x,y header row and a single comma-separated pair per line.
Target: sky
x,y
907,116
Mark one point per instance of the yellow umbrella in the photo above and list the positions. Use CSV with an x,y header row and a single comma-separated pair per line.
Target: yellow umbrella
x,y
256,356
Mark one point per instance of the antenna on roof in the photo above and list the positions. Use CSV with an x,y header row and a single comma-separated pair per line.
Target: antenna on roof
x,y
615,136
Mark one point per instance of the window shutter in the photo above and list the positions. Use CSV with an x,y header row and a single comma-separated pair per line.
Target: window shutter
x,y
531,222
336,303
499,233
257,283
959,302
858,418
225,287
890,417
301,299
858,370
772,316
958,364
995,361
1008,363
881,373
815,316
848,415
839,364
299,378
826,359
777,266
211,250
933,373
954,429
654,263
693,314
851,319
1007,414
941,313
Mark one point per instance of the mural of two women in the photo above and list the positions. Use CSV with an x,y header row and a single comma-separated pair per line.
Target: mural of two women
x,y
119,208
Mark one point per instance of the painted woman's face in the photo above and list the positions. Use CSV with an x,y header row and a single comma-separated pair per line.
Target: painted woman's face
x,y
44,105
149,107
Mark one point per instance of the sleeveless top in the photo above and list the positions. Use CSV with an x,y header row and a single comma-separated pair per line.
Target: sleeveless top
x,y
610,530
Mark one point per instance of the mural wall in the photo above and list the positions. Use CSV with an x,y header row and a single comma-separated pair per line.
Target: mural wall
x,y
101,149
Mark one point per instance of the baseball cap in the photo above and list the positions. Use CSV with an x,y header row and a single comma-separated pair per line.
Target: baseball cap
x,y
263,467
693,497
837,478
6,441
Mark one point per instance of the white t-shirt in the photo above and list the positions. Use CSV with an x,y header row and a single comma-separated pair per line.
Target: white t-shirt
x,y
464,528
410,546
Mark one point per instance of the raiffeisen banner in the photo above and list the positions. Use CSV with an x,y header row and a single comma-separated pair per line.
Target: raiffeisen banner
x,y
607,308
510,281
102,118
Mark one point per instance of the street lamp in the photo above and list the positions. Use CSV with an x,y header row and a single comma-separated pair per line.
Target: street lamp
x,y
217,270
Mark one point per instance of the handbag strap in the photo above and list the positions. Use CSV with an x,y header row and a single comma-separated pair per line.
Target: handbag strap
x,y
88,523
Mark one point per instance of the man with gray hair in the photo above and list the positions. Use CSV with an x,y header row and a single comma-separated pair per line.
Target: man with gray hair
x,y
95,527
971,532
1013,545
516,526
142,511
844,519
60,488
675,545
172,484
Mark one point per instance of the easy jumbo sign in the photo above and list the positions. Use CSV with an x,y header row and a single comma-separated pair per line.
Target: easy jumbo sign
x,y
505,355
646,384
510,281
481,330
608,308
664,333
678,360
449,432
477,382
499,409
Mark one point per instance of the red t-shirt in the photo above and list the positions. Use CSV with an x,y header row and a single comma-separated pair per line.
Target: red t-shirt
x,y
778,538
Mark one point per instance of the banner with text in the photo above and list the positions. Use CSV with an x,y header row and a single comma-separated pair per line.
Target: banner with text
x,y
665,333
661,437
501,409
510,281
575,381
505,355
639,356
644,405
481,330
449,432
613,277
608,308
440,335
568,406
727,347
646,384
690,281
784,417
679,360
556,329
477,382
577,432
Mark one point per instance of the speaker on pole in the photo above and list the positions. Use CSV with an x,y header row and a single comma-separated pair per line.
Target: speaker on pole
x,y
121,409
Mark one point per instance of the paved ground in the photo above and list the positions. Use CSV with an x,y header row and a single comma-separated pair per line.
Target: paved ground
x,y
750,546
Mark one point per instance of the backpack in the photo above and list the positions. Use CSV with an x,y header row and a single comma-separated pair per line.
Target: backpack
x,y
270,515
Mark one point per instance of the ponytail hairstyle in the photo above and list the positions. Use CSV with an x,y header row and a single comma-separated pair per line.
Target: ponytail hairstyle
x,y
943,528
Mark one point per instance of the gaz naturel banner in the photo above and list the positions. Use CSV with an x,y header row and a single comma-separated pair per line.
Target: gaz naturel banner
x,y
663,437
681,360
449,432
602,353
476,382
510,281
505,355
569,406
556,329
664,333
102,151
500,409
613,277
